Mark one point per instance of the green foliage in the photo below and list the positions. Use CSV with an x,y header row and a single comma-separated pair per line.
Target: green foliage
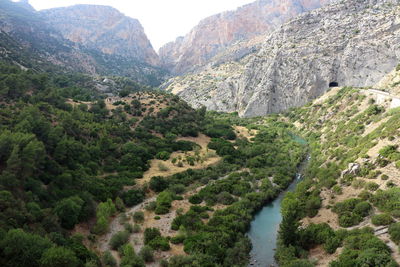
x,y
351,211
68,210
394,232
19,248
59,256
153,238
163,155
119,239
390,152
387,201
129,257
138,217
109,260
158,184
147,254
133,197
364,249
164,200
382,219
104,211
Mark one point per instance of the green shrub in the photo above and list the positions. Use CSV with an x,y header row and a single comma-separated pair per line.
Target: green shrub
x,y
371,186
133,197
147,254
158,184
109,260
394,232
363,208
382,219
128,227
136,228
348,219
178,239
195,199
163,155
138,217
119,239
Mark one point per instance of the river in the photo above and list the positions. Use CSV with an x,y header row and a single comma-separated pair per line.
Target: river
x,y
264,228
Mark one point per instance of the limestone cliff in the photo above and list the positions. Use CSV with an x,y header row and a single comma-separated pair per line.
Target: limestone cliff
x,y
103,28
353,42
214,34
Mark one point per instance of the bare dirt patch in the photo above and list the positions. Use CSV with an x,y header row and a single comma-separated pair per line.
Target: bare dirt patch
x,y
243,132
321,257
208,158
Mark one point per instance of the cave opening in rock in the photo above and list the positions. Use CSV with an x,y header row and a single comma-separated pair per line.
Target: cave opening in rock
x,y
333,84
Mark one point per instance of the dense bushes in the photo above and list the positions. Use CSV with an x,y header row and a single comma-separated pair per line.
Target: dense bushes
x,y
153,238
132,197
351,211
394,232
119,239
382,219
364,249
104,211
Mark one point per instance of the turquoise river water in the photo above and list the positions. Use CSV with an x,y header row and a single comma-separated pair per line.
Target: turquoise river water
x,y
264,228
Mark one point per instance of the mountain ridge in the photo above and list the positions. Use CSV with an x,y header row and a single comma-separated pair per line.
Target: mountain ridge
x,y
216,33
340,43
103,28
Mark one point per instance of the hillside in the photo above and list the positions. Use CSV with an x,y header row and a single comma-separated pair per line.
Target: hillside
x,y
215,35
351,191
350,43
29,41
134,180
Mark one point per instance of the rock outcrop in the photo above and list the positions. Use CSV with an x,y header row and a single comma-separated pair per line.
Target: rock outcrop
x,y
214,34
350,43
103,28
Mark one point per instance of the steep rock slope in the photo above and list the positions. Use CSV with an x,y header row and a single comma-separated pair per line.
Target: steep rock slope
x,y
214,34
103,28
27,40
350,43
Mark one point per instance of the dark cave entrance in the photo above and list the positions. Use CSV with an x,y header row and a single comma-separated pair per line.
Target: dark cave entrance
x,y
333,84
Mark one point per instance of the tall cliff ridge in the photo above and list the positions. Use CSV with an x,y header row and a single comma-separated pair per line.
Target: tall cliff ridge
x,y
214,34
28,40
103,28
351,43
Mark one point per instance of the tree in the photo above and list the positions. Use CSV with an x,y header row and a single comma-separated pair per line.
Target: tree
x,y
133,197
68,211
23,249
129,257
119,239
289,227
158,184
109,260
60,257
147,254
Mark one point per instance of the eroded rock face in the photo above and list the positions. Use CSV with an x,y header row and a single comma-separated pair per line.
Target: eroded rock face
x,y
352,43
216,33
103,28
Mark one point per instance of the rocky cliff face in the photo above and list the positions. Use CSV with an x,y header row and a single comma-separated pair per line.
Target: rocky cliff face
x,y
103,28
216,33
28,40
351,43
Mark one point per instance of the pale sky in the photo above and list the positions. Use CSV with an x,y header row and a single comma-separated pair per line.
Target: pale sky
x,y
163,20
